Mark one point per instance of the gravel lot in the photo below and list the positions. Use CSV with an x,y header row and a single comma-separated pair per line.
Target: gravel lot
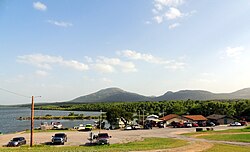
x,y
118,136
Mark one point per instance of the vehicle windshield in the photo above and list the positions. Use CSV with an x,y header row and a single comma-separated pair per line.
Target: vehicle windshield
x,y
15,139
103,135
88,125
59,135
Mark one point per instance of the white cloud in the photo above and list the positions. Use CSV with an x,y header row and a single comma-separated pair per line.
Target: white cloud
x,y
173,13
104,68
169,3
60,23
234,52
39,6
172,26
175,65
106,80
168,10
75,65
104,64
170,64
158,19
88,59
41,73
47,62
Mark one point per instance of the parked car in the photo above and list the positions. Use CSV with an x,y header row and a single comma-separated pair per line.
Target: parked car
x,y
136,127
147,126
202,124
128,128
243,123
160,124
88,127
195,124
187,124
235,124
17,141
102,139
210,124
59,138
177,125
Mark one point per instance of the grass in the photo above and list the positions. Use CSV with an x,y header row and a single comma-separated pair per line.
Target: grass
x,y
247,129
228,148
146,144
228,137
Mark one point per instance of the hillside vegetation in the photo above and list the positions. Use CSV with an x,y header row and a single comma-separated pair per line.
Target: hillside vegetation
x,y
231,108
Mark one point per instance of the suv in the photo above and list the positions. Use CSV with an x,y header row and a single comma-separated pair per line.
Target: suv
x,y
59,138
17,141
102,139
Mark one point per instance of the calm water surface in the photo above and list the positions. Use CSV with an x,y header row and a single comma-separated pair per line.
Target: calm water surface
x,y
9,122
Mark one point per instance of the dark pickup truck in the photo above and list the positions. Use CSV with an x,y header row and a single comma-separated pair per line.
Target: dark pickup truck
x,y
59,138
102,139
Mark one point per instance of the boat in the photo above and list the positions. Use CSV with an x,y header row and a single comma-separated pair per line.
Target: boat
x,y
80,127
56,125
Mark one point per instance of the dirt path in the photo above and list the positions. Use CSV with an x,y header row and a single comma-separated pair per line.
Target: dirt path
x,y
191,147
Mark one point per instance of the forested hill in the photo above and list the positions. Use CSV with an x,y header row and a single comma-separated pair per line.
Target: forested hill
x,y
112,95
117,95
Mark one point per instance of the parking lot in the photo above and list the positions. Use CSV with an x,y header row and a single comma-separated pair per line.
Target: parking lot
x,y
118,136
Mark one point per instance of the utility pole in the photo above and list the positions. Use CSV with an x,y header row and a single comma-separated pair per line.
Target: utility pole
x,y
100,125
139,117
143,118
32,121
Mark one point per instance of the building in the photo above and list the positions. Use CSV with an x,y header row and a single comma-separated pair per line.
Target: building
x,y
195,118
168,119
220,119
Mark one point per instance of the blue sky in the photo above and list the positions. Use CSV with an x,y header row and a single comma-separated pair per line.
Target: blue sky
x,y
64,49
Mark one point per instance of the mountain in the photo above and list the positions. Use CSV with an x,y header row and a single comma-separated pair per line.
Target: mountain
x,y
111,95
116,94
187,94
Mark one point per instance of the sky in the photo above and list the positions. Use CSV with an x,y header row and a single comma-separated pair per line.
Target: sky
x,y
63,49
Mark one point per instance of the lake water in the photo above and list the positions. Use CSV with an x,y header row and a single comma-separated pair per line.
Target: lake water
x,y
9,122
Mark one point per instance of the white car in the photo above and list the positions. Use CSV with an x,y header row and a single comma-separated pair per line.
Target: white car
x,y
235,124
128,128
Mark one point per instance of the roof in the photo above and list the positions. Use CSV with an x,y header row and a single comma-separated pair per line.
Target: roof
x,y
195,117
168,117
216,117
153,116
152,119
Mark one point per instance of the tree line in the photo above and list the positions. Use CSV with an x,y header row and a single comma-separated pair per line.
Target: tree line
x,y
234,108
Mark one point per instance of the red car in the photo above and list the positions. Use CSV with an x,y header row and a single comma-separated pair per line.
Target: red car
x,y
243,123
177,125
194,124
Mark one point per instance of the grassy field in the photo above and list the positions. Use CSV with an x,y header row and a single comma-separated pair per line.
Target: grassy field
x,y
147,144
237,135
228,137
247,129
228,148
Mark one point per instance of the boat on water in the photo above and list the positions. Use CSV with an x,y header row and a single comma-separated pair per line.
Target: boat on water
x,y
81,127
57,125
53,125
